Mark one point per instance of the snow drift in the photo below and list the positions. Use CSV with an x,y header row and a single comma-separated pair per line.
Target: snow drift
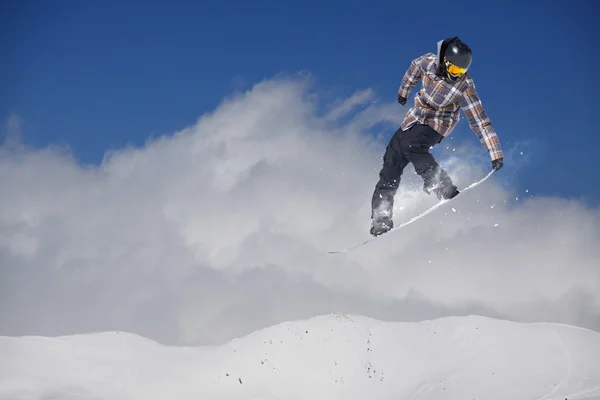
x,y
328,357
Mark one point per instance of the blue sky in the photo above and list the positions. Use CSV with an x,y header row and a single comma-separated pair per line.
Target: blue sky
x,y
270,177
99,75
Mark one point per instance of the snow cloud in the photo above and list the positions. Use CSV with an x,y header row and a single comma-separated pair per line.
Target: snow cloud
x,y
224,227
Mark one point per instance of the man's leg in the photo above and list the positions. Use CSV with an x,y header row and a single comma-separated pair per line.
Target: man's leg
x,y
382,202
416,145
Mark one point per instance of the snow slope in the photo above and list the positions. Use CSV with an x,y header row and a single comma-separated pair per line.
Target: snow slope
x,y
327,357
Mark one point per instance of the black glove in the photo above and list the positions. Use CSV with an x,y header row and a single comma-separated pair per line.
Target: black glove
x,y
401,100
497,164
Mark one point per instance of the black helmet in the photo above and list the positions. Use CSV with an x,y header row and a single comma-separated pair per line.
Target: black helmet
x,y
459,54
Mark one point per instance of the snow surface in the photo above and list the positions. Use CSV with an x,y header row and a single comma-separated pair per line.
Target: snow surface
x,y
327,357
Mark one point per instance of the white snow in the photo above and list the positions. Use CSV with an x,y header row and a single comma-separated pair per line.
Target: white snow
x,y
328,357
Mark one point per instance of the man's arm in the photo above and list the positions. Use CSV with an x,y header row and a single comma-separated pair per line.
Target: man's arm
x,y
480,123
410,78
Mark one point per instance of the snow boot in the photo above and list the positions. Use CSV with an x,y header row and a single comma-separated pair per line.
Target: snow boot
x,y
381,223
446,192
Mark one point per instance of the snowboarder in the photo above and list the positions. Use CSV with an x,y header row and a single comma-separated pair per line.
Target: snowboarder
x,y
446,88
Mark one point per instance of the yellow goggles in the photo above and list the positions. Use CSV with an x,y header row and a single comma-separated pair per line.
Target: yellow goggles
x,y
454,70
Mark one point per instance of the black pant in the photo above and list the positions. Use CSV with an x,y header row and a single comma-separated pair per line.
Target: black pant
x,y
404,147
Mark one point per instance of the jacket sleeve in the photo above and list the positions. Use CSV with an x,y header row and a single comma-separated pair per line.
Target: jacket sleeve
x,y
479,121
411,77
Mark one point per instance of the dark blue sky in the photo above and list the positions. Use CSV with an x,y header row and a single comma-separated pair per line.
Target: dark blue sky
x,y
98,75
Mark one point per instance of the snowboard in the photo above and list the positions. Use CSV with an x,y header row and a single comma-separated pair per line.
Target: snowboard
x,y
424,213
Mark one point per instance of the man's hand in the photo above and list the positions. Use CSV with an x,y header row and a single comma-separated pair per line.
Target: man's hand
x,y
498,163
401,100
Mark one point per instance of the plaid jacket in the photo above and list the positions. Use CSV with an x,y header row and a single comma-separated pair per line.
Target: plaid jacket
x,y
439,102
